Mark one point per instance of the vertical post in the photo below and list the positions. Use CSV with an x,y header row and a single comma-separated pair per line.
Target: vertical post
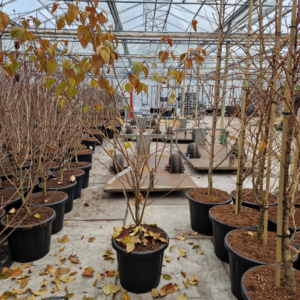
x,y
183,97
197,94
225,85
240,168
278,17
131,103
216,98
283,158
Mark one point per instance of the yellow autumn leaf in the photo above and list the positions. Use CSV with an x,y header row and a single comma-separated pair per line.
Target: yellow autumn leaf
x,y
37,216
128,144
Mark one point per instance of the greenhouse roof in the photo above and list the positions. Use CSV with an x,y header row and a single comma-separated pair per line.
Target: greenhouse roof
x,y
139,25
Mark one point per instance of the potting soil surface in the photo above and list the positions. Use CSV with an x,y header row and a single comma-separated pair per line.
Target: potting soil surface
x,y
273,216
8,195
55,183
37,216
260,284
79,164
85,151
50,197
248,217
248,196
201,195
68,174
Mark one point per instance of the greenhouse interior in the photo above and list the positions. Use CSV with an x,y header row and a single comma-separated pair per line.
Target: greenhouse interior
x,y
149,149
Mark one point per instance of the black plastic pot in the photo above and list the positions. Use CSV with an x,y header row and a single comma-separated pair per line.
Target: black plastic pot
x,y
16,203
220,230
86,175
84,157
99,137
27,244
90,143
59,208
272,226
199,213
109,133
251,205
69,190
4,177
140,272
238,266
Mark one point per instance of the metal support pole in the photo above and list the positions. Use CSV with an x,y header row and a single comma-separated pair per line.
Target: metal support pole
x,y
225,85
197,94
183,97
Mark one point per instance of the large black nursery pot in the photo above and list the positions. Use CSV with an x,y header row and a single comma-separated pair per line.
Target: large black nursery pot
x,y
238,265
14,203
87,157
220,230
140,272
99,137
251,205
90,144
27,244
199,213
59,208
69,190
86,175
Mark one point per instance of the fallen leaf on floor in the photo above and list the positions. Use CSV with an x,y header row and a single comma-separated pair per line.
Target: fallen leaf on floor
x,y
66,223
53,254
189,243
16,272
39,292
171,247
75,260
67,278
181,238
107,253
100,227
182,297
64,239
194,232
87,298
88,271
199,252
110,288
95,281
167,277
62,249
91,239
23,282
86,204
182,252
196,246
100,276
154,293
148,213
177,287
82,237
123,290
181,234
111,273
25,266
168,289
194,280
168,259
185,284
183,273
44,283
53,290
125,296
18,292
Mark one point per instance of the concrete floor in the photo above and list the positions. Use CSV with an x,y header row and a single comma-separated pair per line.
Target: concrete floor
x,y
107,210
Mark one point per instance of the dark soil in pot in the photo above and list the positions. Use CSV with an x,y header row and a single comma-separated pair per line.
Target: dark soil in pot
x,y
66,186
140,270
27,183
246,252
10,199
86,167
78,173
272,223
249,200
84,155
30,239
55,200
200,204
259,283
224,220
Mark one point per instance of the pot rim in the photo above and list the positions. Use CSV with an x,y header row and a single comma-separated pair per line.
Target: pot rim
x,y
232,226
3,213
256,204
290,227
86,167
228,247
19,228
86,153
141,254
50,204
76,176
24,187
58,189
205,203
